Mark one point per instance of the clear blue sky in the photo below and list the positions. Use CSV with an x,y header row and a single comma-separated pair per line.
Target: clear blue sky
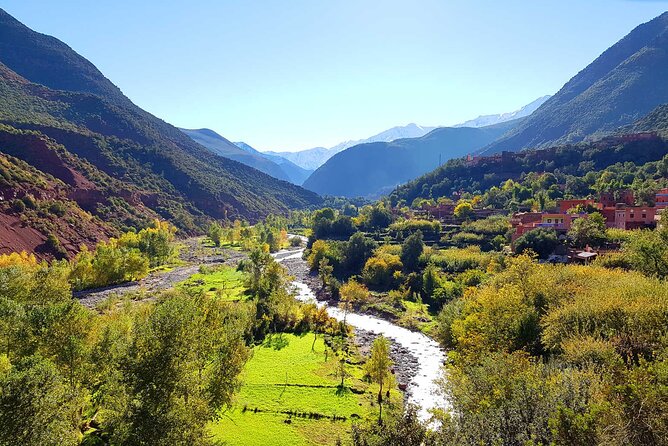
x,y
295,74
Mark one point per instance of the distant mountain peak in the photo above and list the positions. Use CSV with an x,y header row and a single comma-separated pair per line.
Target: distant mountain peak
x,y
485,120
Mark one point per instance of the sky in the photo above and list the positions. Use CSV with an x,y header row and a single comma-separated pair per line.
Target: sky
x,y
294,74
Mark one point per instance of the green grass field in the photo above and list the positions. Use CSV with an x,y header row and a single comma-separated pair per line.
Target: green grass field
x,y
260,415
223,281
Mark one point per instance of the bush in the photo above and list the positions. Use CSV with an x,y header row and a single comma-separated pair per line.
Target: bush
x,y
53,244
380,269
409,226
57,208
18,206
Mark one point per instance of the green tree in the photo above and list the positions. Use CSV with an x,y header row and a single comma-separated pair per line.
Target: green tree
x,y
182,368
542,241
37,407
325,271
378,367
358,250
411,250
647,252
215,233
588,231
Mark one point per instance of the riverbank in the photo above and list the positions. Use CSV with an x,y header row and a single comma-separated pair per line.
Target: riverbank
x,y
192,255
418,359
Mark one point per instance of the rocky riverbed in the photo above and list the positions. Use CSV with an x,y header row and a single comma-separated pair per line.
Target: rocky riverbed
x,y
193,254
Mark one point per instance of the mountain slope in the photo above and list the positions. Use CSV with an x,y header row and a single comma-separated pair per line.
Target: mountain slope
x,y
623,84
369,170
296,174
461,175
128,158
485,120
221,146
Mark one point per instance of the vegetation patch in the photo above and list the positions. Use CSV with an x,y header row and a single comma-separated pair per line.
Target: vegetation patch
x,y
291,396
221,281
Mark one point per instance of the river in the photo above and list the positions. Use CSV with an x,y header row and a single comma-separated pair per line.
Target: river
x,y
422,389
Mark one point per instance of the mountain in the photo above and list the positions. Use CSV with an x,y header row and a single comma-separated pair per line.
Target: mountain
x,y
221,146
623,84
369,170
311,159
485,120
62,117
296,174
656,121
482,173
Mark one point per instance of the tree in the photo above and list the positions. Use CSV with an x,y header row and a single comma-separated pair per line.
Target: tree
x,y
325,271
37,407
542,241
342,372
404,429
358,250
352,292
181,370
215,233
588,231
647,251
318,324
379,217
463,210
378,368
411,250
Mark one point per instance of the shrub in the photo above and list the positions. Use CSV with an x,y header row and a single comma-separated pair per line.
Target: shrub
x,y
379,270
18,206
57,208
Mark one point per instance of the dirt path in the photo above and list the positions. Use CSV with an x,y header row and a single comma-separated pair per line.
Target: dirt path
x,y
193,253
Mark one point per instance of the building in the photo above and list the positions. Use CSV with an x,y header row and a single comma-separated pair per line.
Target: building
x,y
661,201
619,212
565,205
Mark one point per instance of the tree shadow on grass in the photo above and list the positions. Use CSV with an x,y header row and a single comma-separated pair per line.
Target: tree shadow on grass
x,y
342,391
277,342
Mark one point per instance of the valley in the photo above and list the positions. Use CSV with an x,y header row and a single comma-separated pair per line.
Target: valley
x,y
502,281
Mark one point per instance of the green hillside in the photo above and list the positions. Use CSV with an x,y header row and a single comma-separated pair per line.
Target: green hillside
x,y
50,90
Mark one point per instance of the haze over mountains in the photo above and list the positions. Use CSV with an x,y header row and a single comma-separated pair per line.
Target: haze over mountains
x,y
369,170
313,158
69,136
61,119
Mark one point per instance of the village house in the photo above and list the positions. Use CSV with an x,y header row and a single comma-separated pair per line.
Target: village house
x,y
619,212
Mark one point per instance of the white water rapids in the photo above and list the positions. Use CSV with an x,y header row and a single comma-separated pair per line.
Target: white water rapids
x,y
422,390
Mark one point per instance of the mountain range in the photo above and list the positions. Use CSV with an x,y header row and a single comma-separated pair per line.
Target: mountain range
x,y
311,159
622,85
104,157
371,169
485,120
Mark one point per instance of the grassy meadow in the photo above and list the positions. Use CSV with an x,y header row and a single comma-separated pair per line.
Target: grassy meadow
x,y
291,397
